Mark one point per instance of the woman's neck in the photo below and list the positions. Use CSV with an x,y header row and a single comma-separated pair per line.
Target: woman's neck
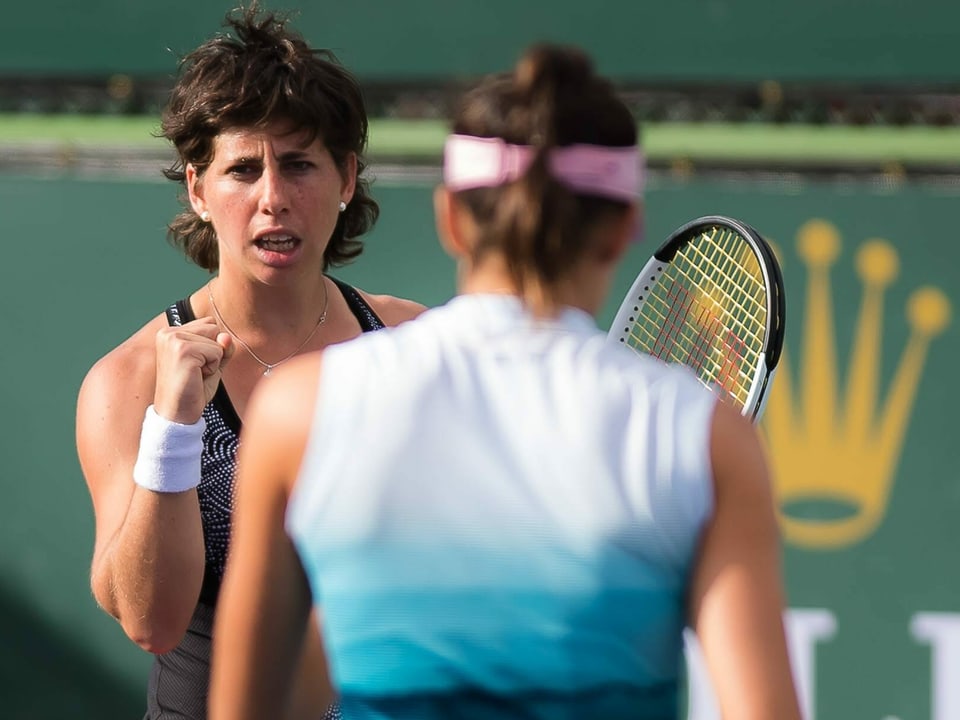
x,y
259,308
585,287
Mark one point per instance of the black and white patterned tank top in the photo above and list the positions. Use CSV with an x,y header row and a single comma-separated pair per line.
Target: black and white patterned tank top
x,y
220,443
179,680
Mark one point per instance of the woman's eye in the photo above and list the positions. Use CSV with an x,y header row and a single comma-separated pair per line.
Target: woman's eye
x,y
242,170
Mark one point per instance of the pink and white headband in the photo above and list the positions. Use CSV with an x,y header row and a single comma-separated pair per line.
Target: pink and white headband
x,y
614,172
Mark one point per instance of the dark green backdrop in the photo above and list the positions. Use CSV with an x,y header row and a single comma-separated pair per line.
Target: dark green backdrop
x,y
85,263
687,40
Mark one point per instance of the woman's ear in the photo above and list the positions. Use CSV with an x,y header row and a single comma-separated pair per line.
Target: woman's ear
x,y
349,175
450,218
623,232
195,190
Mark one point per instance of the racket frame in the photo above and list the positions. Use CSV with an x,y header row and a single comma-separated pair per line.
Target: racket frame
x,y
652,271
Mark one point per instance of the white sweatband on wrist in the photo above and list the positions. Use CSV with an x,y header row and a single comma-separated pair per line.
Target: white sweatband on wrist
x,y
169,457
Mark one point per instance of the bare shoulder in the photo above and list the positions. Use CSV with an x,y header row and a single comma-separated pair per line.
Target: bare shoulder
x,y
287,392
737,454
110,405
130,366
392,310
279,416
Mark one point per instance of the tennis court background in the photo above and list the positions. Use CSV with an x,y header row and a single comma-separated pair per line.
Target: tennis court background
x,y
86,263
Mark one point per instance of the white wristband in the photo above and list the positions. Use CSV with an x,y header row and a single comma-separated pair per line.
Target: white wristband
x,y
169,458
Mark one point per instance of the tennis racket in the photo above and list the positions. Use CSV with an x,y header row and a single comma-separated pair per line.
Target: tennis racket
x,y
711,298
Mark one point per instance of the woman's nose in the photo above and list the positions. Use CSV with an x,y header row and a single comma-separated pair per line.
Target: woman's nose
x,y
274,197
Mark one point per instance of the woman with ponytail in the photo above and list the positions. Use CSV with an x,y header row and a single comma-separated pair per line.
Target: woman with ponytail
x,y
539,513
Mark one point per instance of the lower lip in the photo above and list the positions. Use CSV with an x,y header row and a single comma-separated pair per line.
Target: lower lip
x,y
283,258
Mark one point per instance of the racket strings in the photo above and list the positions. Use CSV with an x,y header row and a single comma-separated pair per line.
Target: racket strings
x,y
708,311
736,282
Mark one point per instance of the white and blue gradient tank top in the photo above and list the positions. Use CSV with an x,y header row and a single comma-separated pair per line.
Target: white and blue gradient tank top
x,y
515,538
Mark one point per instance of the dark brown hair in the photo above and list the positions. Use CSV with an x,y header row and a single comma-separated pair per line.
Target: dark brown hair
x,y
258,72
553,98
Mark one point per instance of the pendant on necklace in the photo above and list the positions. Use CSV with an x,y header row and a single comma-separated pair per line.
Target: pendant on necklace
x,y
267,371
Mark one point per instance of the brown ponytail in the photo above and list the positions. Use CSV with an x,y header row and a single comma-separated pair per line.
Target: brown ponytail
x,y
552,99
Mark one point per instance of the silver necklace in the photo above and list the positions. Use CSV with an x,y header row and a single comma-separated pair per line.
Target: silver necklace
x,y
267,367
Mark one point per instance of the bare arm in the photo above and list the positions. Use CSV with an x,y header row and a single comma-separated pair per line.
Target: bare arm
x,y
148,553
265,598
312,691
737,597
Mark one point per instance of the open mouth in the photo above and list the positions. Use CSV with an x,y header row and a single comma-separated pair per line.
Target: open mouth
x,y
277,243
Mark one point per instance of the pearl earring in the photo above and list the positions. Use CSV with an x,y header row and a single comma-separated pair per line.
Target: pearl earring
x,y
343,206
205,216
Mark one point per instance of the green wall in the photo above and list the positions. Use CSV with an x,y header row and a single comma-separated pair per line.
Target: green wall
x,y
682,40
86,262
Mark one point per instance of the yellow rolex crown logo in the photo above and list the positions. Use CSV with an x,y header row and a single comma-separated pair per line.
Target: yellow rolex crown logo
x,y
834,451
